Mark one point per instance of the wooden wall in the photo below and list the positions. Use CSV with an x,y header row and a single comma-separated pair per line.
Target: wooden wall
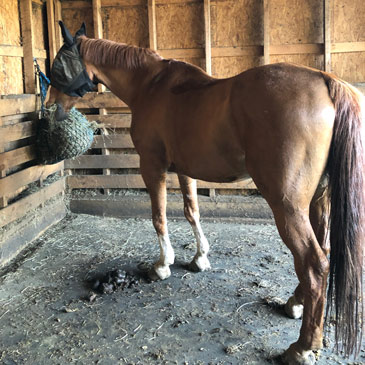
x,y
31,195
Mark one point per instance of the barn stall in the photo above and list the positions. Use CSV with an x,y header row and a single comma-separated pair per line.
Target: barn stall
x,y
50,249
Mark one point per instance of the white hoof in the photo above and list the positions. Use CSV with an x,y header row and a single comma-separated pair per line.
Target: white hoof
x,y
293,357
159,272
200,263
294,309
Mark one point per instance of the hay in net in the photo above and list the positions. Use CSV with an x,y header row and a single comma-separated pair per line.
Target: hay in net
x,y
61,140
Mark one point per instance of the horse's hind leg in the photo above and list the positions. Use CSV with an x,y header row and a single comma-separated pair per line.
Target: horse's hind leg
x,y
155,180
191,211
319,214
311,266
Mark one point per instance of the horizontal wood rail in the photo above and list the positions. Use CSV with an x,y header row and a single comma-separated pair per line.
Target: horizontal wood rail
x,y
22,206
131,181
17,131
19,104
12,183
17,51
17,157
113,141
112,120
120,161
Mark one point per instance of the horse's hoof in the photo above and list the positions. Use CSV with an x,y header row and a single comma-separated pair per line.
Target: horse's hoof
x,y
293,309
292,357
200,263
159,273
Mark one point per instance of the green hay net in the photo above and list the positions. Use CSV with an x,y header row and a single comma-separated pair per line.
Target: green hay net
x,y
61,140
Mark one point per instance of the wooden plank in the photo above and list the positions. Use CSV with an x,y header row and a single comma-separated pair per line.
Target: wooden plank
x,y
51,30
237,51
113,141
119,161
345,47
182,53
136,182
112,120
100,100
17,131
28,45
12,183
22,206
267,49
327,34
208,38
11,51
75,4
58,17
17,157
40,53
314,48
18,105
152,24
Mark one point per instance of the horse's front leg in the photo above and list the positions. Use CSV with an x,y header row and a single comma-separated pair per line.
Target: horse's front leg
x,y
191,210
155,180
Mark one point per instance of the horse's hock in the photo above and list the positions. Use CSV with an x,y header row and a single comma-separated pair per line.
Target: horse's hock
x,y
66,225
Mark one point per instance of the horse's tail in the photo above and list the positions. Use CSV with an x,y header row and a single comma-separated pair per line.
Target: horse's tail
x,y
346,170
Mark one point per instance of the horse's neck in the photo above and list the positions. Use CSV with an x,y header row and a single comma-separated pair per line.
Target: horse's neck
x,y
127,84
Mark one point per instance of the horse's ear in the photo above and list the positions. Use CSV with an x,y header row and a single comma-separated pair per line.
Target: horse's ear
x,y
81,31
67,37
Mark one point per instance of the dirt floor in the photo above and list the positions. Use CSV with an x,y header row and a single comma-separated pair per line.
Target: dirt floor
x,y
229,315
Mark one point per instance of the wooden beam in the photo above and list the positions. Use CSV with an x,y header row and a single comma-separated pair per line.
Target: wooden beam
x,y
208,38
266,59
11,51
51,30
12,183
17,131
119,161
18,105
111,120
346,47
58,17
113,141
237,51
136,182
26,23
152,24
312,48
16,157
327,34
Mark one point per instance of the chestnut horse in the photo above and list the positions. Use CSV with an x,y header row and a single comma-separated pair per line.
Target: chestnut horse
x,y
298,132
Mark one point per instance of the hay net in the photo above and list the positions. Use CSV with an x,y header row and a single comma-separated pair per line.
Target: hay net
x,y
61,140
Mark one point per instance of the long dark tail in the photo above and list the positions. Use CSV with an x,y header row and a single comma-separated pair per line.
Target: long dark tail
x,y
346,169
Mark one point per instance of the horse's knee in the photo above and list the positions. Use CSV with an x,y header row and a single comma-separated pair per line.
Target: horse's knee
x,y
159,222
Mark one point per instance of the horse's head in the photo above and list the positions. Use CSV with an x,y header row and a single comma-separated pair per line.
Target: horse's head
x,y
70,79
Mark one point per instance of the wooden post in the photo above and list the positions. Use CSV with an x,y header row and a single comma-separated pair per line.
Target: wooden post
x,y
152,24
208,53
327,34
58,17
98,33
266,32
28,45
208,40
51,30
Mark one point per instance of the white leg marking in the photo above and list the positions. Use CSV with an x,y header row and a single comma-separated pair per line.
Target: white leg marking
x,y
201,258
167,257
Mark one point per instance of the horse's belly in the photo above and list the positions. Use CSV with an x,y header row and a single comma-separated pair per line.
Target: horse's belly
x,y
212,168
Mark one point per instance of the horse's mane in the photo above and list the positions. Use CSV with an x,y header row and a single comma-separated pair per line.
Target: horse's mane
x,y
103,52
